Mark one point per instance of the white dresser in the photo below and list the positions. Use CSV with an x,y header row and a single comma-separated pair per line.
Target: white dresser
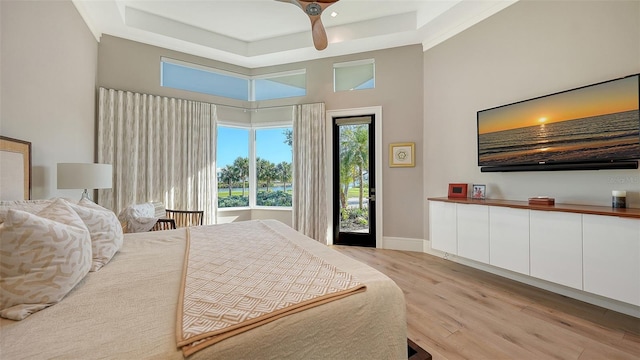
x,y
589,248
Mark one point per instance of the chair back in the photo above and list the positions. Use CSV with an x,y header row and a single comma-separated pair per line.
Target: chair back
x,y
164,224
185,218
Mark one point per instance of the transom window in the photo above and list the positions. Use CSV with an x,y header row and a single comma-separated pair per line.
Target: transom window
x,y
192,77
280,85
354,75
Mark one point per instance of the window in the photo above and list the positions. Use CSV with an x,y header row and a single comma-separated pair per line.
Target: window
x,y
274,154
269,172
354,75
185,76
233,167
191,77
281,85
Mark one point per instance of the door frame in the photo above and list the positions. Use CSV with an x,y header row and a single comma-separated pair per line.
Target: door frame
x,y
377,112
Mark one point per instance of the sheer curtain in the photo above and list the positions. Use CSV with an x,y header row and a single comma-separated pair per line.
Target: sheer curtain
x,y
161,149
309,172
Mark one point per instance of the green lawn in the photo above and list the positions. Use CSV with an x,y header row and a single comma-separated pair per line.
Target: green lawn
x,y
355,192
223,192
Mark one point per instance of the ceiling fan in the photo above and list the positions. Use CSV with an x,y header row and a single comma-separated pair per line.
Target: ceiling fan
x,y
314,10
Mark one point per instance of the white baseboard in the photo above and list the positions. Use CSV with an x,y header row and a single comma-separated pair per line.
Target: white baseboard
x,y
405,244
601,301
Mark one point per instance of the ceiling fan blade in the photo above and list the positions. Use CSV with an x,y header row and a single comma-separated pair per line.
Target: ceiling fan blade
x,y
314,9
319,34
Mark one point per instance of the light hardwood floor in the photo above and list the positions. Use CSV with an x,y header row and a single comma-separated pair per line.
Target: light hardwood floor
x,y
457,312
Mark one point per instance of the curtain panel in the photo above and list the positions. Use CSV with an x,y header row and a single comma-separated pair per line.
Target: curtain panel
x,y
309,172
161,149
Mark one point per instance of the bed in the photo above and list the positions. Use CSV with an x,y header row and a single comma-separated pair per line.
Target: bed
x,y
128,308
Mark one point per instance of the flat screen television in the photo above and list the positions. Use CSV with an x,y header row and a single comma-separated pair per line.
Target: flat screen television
x,y
592,127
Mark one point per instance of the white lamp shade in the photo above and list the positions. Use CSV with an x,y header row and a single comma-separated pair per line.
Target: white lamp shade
x,y
84,176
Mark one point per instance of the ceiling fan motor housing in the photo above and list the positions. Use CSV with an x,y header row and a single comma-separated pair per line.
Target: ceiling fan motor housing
x,y
313,9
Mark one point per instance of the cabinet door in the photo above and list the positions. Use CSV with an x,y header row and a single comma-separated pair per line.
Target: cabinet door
x,y
509,239
442,226
556,247
473,232
612,257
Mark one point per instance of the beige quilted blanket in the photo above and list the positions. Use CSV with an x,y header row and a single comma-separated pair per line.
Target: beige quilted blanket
x,y
246,276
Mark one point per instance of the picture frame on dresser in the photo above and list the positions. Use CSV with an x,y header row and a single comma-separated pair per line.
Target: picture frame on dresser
x,y
478,191
15,169
457,190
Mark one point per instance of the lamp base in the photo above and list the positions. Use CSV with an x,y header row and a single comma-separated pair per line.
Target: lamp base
x,y
85,195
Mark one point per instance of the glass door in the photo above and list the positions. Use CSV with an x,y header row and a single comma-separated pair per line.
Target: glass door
x,y
354,181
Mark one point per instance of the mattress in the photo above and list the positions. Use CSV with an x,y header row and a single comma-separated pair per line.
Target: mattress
x,y
127,310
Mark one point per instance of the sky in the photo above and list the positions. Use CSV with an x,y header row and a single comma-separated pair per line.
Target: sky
x,y
234,142
606,98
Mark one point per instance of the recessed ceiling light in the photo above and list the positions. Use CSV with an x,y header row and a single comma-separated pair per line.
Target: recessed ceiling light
x,y
334,14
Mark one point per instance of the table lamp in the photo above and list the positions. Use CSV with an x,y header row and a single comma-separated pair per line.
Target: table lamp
x,y
84,176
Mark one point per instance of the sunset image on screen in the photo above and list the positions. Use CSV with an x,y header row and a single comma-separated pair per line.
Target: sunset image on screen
x,y
595,121
608,98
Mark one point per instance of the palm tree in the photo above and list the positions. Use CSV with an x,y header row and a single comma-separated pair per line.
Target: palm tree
x,y
266,171
346,164
284,172
228,175
242,168
354,159
361,137
270,173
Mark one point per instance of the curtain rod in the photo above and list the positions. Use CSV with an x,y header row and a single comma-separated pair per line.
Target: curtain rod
x,y
264,107
229,106
253,109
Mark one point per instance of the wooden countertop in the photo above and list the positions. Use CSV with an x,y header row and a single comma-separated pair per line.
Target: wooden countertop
x,y
581,209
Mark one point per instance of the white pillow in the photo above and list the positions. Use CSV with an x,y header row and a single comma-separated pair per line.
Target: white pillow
x,y
104,228
138,217
43,257
30,206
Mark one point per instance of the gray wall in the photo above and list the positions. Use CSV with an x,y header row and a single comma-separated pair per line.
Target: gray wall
x,y
48,74
531,48
133,66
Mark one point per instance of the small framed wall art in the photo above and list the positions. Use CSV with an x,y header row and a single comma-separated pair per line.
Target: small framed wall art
x,y
402,155
478,191
457,190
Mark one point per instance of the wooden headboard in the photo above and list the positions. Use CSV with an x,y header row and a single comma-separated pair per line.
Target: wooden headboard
x,y
15,169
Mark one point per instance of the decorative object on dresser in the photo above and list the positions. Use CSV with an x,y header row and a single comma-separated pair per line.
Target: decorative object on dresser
x,y
84,176
541,200
619,199
15,169
478,191
457,190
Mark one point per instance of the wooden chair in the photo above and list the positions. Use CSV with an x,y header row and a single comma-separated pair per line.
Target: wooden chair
x,y
185,218
164,224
